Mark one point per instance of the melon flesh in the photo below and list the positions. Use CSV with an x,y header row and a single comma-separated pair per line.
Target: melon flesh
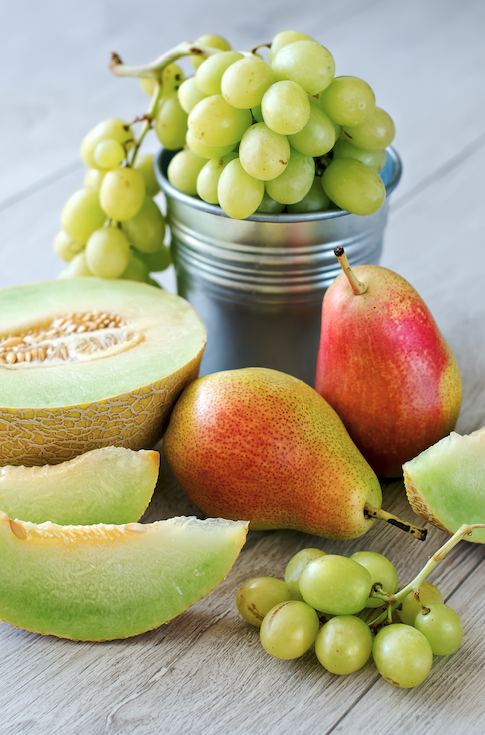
x,y
89,362
108,485
445,484
104,582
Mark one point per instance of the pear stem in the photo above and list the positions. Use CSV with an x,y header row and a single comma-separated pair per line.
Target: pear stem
x,y
416,531
357,287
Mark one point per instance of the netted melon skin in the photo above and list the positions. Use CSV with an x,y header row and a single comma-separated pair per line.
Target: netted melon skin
x,y
134,420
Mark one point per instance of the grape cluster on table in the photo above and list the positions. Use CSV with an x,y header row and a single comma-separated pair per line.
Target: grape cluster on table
x,y
264,137
322,603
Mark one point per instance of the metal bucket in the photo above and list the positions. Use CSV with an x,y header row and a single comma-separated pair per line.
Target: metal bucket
x,y
258,284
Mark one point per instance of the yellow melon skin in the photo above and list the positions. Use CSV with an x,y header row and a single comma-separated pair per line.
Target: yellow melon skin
x,y
135,420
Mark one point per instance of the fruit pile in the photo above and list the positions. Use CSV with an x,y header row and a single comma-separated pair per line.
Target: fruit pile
x,y
317,585
261,136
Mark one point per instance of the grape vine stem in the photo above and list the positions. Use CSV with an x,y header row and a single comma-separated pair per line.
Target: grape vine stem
x,y
395,600
155,68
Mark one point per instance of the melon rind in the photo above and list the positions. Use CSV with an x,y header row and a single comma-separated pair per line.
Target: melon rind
x,y
50,414
445,484
108,485
103,582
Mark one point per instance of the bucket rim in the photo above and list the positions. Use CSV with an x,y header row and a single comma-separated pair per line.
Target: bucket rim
x,y
164,156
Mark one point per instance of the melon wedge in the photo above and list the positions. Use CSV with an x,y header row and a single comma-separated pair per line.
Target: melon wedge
x,y
96,583
445,484
89,362
108,485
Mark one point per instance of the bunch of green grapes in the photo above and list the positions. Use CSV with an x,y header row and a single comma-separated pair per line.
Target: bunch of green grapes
x,y
262,137
112,227
290,614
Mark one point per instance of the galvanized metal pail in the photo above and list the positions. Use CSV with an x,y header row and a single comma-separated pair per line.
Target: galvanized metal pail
x,y
258,284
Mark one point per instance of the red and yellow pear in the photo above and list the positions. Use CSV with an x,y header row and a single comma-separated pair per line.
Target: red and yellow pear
x,y
385,367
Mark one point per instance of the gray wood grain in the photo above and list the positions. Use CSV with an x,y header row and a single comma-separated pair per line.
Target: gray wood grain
x,y
205,672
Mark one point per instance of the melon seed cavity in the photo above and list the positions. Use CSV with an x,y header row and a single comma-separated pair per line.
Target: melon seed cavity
x,y
71,338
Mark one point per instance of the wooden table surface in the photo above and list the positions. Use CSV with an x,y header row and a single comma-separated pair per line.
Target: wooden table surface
x,y
205,671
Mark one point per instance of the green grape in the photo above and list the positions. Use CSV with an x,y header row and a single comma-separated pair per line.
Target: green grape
x,y
442,628
171,124
172,77
146,229
65,247
269,205
245,82
402,655
257,114
239,193
259,595
183,171
82,215
410,607
285,107
136,270
283,38
213,42
122,193
305,62
77,268
335,585
189,94
289,629
344,644
144,164
209,74
157,261
107,252
263,153
208,178
381,570
374,134
296,565
348,100
216,122
204,150
345,149
315,201
93,178
106,130
109,153
295,182
318,135
353,186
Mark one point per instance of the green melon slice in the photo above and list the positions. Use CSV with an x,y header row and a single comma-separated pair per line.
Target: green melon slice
x,y
108,485
103,582
89,362
445,484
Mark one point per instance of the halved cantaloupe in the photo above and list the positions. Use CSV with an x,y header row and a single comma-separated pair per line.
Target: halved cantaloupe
x,y
445,484
88,362
104,582
108,485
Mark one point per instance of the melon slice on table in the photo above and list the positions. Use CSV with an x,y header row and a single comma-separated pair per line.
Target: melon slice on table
x,y
108,485
445,484
104,582
87,363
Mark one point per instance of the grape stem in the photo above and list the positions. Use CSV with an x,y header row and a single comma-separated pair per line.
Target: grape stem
x,y
155,68
383,515
147,120
395,600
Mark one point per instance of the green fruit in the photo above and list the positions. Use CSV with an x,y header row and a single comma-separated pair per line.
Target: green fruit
x,y
442,628
410,607
87,363
344,644
381,571
259,444
335,585
295,567
289,629
108,485
259,595
96,583
445,483
402,655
